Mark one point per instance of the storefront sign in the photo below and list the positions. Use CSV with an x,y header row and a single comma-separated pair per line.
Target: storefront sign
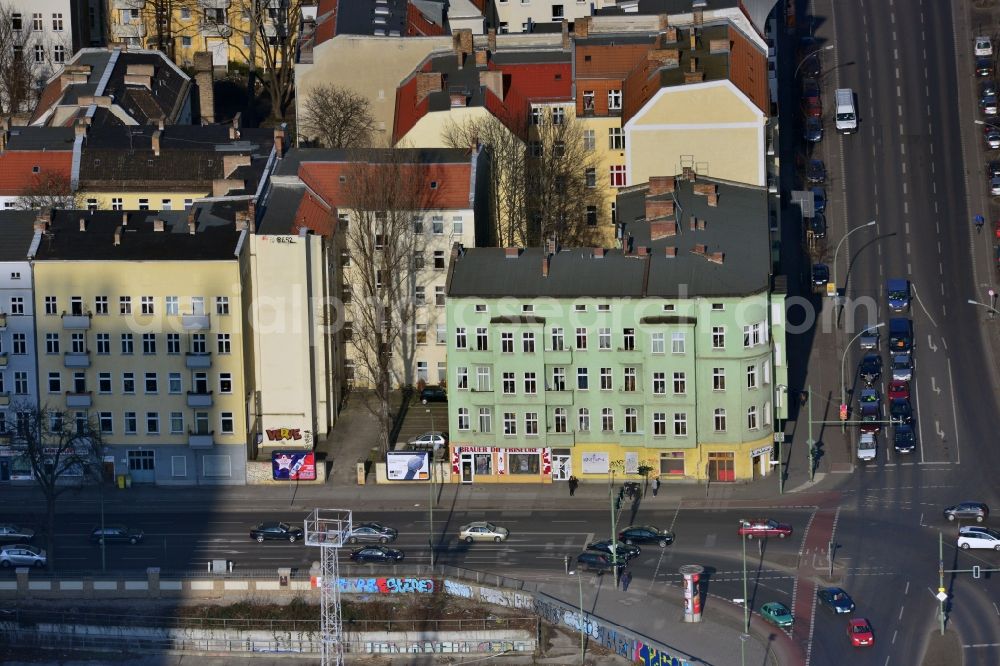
x,y
595,462
760,451
631,462
407,465
293,465
474,449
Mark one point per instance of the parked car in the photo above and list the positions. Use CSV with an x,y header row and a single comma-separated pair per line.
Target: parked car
x,y
591,560
869,396
812,107
819,199
992,169
777,614
984,66
871,414
482,531
983,46
900,410
377,555
902,367
860,632
817,225
646,534
870,368
995,186
273,531
969,510
820,275
988,97
867,446
835,599
623,550
763,527
116,533
22,555
869,339
991,136
810,88
433,394
428,440
904,439
816,172
10,532
372,533
899,389
978,537
813,130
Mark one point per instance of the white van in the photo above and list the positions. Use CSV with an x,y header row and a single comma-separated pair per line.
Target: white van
x,y
847,118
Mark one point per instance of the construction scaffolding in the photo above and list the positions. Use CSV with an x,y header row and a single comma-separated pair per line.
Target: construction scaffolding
x,y
329,529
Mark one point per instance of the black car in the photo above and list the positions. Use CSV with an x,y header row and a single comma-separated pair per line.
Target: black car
x,y
116,533
816,173
433,394
372,533
283,531
972,510
904,439
819,199
817,225
900,410
820,275
810,88
624,551
992,169
377,554
870,368
592,560
646,534
984,66
813,130
835,599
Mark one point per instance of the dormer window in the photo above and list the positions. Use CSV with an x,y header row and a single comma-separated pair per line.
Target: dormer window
x,y
434,184
36,169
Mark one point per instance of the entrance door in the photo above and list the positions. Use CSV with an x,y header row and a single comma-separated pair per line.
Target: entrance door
x,y
757,464
467,470
141,466
721,466
562,467
4,470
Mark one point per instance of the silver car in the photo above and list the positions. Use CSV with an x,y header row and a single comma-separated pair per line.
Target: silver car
x,y
869,339
22,555
902,367
10,533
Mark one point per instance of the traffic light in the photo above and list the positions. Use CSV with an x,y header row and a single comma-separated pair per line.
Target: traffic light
x,y
976,571
843,411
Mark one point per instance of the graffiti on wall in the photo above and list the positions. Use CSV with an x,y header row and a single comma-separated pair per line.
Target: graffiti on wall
x,y
386,585
446,647
651,656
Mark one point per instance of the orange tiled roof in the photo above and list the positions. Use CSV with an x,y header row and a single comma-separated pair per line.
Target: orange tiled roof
x,y
314,214
17,169
451,181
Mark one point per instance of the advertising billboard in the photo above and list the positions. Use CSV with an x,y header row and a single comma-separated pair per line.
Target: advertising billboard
x,y
293,465
408,465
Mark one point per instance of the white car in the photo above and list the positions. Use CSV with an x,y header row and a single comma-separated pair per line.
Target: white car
x,y
984,47
482,531
978,537
22,555
867,446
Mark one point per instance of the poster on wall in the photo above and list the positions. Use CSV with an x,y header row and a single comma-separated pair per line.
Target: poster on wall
x,y
293,465
595,462
408,465
631,462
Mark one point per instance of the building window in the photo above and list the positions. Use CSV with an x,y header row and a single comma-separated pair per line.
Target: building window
x,y
16,22
680,424
143,204
718,337
55,382
528,342
582,379
607,419
176,423
614,100
485,420
125,305
630,375
616,138
558,149
441,334
227,423
462,377
531,424
421,337
104,382
604,339
198,344
457,226
59,56
51,343
439,296
482,339
439,260
171,305
558,379
101,305
225,382
606,381
509,424
659,383
130,423
509,383
148,343
676,343
51,305
437,225
720,420
659,424
753,334
752,418
631,420
91,203
506,342
173,343
128,382
535,148
628,339
150,383
185,41
223,344
117,203
418,295
672,463
483,379
680,383
57,21
588,101
17,305
222,305
536,115
152,423
751,376
581,339
591,216
40,58
127,343
461,341
463,418
530,383
617,175
589,138
19,342
718,379
174,383
105,422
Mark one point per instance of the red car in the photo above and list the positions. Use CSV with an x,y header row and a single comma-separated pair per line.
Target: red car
x,y
860,632
899,389
812,107
763,527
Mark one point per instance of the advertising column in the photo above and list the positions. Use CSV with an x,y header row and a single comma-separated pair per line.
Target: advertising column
x,y
692,592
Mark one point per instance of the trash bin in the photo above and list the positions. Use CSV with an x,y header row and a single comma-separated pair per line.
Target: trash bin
x,y
128,480
121,481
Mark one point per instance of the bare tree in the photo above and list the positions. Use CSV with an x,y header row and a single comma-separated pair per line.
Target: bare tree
x,y
382,194
337,118
562,184
506,150
64,453
48,189
18,80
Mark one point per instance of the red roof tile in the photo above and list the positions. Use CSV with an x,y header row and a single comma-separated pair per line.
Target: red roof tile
x,y
418,25
451,181
538,81
314,214
326,21
17,169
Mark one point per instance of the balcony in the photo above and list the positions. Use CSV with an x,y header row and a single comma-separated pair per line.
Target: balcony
x,y
133,30
214,29
482,398
196,399
202,439
559,398
4,399
76,322
129,4
3,360
77,359
198,361
3,320
215,4
196,322
78,399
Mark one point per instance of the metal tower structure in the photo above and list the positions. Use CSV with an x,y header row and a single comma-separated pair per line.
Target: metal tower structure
x,y
328,529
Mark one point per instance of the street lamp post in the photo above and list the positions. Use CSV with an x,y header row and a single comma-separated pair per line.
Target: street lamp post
x,y
828,47
843,360
991,309
836,288
780,435
583,644
430,503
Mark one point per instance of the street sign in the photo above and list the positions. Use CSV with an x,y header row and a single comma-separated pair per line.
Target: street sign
x,y
843,411
779,437
942,596
831,289
976,571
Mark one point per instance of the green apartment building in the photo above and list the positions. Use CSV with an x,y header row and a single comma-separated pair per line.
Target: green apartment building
x,y
667,351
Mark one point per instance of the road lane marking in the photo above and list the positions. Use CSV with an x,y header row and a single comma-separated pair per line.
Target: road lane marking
x,y
954,414
907,590
900,617
893,636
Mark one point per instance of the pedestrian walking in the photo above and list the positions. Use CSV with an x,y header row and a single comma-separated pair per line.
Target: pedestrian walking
x,y
656,485
573,483
626,579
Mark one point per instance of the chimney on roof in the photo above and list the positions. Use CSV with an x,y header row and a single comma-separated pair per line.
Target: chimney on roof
x,y
279,140
699,15
118,236
191,222
670,34
657,208
660,185
160,123
456,251
492,79
565,35
717,257
156,142
491,40
204,77
68,78
687,173
704,189
662,229
693,64
427,83
242,220
511,252
643,251
80,127
157,224
581,27
461,41
713,199
139,75
545,265
702,223
482,58
43,219
124,219
700,248
83,224
693,38
670,251
233,161
598,253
